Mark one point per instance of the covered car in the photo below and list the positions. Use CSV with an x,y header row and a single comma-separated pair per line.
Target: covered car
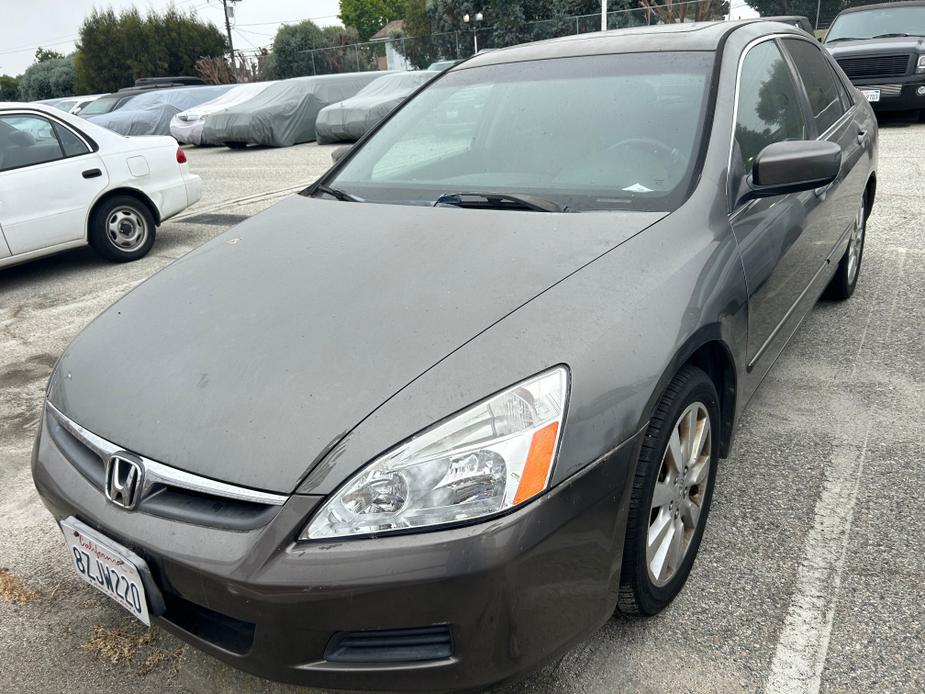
x,y
284,113
350,119
186,126
150,113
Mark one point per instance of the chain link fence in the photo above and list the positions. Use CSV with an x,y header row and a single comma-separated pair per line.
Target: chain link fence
x,y
402,52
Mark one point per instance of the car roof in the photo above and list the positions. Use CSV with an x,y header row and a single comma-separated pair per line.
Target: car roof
x,y
688,36
883,6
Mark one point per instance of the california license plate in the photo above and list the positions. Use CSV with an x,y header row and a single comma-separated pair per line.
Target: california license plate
x,y
109,567
871,94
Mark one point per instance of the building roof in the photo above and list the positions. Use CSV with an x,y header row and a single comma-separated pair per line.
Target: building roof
x,y
386,32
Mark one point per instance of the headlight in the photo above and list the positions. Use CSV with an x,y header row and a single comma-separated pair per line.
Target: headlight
x,y
489,458
920,66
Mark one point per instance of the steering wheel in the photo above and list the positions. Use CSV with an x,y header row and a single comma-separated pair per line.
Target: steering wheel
x,y
647,143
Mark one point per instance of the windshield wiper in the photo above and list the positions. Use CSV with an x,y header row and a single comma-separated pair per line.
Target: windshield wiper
x,y
845,38
335,193
892,35
499,201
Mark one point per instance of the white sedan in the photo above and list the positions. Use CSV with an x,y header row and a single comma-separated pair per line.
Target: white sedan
x,y
65,182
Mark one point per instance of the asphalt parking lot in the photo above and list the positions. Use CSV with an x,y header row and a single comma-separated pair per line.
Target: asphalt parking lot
x,y
810,576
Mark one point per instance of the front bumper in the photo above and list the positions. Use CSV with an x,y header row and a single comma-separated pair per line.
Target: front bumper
x,y
896,93
512,592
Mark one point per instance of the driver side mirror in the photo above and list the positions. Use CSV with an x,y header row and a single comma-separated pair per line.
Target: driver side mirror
x,y
792,167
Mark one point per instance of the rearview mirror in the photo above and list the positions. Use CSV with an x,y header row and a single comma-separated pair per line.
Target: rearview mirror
x,y
794,166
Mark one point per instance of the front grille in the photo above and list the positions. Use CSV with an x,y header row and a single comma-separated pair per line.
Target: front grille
x,y
188,498
875,66
391,646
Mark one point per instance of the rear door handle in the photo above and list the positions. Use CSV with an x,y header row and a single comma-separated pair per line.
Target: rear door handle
x,y
92,173
861,135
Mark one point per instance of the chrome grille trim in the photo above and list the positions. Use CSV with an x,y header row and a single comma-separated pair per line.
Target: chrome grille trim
x,y
158,473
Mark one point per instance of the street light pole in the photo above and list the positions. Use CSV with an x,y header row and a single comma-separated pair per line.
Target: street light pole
x,y
476,20
603,15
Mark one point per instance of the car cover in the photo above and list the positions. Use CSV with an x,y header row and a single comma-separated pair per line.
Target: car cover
x,y
186,126
350,119
150,113
284,113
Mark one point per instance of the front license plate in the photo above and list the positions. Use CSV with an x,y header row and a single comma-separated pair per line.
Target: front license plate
x,y
107,566
871,94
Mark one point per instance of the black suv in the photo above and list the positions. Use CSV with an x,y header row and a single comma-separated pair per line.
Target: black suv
x,y
882,50
116,100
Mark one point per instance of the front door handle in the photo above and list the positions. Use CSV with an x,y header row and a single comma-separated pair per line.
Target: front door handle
x,y
92,173
861,135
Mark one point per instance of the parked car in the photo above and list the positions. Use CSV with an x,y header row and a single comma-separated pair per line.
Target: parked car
x,y
882,50
83,102
150,113
186,126
110,102
65,182
350,119
430,422
441,65
284,113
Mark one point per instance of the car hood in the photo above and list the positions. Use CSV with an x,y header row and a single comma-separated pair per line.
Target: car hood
x,y
247,359
898,44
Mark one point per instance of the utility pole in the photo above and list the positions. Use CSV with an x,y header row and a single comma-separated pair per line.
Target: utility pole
x,y
228,27
603,15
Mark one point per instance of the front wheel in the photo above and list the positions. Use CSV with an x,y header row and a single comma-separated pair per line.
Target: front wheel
x,y
671,494
845,279
122,229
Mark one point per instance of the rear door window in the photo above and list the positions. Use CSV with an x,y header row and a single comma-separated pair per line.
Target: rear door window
x,y
825,95
26,140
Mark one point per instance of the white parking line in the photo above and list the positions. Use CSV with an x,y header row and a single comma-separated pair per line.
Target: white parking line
x,y
804,641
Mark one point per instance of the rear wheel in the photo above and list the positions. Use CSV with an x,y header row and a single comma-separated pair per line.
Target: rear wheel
x,y
122,229
671,494
845,279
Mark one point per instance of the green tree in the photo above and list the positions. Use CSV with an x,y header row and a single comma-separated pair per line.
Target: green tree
x,y
115,50
307,49
9,88
369,16
49,79
43,54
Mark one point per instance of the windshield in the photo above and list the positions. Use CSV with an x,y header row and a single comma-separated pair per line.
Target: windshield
x,y
104,104
591,132
887,21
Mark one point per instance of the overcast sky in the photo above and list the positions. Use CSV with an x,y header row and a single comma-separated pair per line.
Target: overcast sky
x,y
27,24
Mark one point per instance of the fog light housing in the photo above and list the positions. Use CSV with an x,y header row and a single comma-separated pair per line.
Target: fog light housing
x,y
920,91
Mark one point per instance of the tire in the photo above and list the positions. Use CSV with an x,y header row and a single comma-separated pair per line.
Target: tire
x,y
648,585
845,279
122,229
236,145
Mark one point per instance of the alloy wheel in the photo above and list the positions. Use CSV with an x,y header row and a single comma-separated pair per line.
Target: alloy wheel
x,y
679,493
856,245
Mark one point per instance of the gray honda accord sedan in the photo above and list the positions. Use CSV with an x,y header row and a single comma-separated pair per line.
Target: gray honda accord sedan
x,y
432,421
